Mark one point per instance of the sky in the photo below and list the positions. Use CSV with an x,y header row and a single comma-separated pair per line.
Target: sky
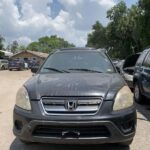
x,y
28,20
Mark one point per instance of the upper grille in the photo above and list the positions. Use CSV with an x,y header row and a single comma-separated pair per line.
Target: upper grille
x,y
71,105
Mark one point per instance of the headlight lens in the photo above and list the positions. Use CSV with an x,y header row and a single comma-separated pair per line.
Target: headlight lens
x,y
22,99
124,99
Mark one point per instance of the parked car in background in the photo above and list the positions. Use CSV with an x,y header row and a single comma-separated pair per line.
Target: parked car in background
x,y
16,65
76,97
115,61
127,69
3,64
141,79
119,65
35,67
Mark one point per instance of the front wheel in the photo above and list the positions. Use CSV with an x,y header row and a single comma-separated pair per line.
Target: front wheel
x,y
138,97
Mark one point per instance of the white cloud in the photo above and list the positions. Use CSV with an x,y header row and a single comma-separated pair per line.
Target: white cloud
x,y
28,20
105,3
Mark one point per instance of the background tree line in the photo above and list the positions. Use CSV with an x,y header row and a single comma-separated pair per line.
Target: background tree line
x,y
44,44
127,32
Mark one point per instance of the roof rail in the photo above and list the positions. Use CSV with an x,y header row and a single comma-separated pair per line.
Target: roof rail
x,y
77,48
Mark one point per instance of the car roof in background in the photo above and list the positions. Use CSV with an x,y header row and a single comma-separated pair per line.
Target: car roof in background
x,y
147,50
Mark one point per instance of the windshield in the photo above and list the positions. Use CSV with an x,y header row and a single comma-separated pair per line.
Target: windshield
x,y
77,61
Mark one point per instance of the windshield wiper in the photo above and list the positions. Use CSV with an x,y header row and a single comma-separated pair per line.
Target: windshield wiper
x,y
56,70
87,70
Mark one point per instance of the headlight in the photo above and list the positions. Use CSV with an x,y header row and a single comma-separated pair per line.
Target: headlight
x,y
22,99
124,99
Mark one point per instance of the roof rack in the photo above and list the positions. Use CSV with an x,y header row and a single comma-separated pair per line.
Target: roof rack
x,y
77,48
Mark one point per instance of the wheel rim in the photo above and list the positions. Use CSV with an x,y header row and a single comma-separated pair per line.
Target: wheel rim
x,y
137,92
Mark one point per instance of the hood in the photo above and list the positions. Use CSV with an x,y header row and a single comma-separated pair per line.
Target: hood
x,y
73,84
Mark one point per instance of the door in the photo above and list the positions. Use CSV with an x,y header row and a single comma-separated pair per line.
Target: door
x,y
146,75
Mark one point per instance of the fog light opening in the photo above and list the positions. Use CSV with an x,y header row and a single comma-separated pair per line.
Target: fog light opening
x,y
128,127
18,125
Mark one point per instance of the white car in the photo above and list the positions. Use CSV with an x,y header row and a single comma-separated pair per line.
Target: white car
x,y
3,64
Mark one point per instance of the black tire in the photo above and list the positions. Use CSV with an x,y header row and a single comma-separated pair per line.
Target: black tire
x,y
127,143
138,97
10,69
3,68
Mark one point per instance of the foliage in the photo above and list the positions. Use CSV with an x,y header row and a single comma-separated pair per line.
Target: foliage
x,y
126,33
14,46
47,44
1,42
97,38
2,54
144,6
21,47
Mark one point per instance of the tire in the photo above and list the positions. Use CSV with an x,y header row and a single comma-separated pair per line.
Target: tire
x,y
127,143
138,97
10,69
3,68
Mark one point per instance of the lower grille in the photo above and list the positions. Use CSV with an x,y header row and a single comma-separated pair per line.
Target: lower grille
x,y
71,105
71,131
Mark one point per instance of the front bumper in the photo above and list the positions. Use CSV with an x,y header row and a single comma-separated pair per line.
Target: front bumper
x,y
119,127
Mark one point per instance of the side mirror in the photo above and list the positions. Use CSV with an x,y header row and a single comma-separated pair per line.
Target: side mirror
x,y
34,69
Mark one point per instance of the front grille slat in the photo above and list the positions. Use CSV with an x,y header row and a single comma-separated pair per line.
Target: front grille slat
x,y
83,105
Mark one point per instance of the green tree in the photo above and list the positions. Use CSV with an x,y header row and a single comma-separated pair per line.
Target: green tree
x,y
1,42
98,37
2,54
14,46
122,35
144,6
47,44
21,47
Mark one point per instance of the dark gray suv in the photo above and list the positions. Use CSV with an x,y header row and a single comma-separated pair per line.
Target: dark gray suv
x,y
76,97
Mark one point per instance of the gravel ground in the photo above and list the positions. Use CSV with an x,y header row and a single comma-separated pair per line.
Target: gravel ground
x,y
10,81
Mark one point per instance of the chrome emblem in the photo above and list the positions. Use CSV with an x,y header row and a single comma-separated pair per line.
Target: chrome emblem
x,y
71,105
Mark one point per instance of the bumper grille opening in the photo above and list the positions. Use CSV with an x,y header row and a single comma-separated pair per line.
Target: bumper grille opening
x,y
71,131
128,126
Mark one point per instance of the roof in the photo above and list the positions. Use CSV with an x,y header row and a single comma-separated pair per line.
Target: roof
x,y
81,49
9,54
39,54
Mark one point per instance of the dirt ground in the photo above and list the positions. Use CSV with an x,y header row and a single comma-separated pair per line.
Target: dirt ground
x,y
10,81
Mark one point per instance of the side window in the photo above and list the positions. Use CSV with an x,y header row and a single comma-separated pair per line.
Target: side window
x,y
147,60
141,59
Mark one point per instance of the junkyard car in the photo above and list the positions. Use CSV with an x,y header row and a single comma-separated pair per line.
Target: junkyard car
x,y
76,97
16,65
128,67
3,64
141,77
